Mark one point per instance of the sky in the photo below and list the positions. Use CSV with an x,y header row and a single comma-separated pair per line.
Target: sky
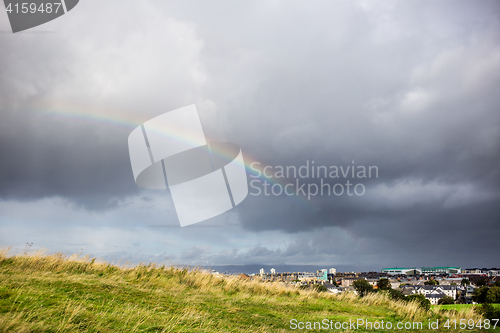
x,y
411,88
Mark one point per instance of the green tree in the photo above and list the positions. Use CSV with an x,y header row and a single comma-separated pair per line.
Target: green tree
x,y
423,302
465,282
384,284
493,295
480,294
395,295
446,300
489,311
362,287
319,288
431,282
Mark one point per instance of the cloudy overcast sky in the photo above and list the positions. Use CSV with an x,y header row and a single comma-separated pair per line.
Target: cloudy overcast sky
x,y
412,87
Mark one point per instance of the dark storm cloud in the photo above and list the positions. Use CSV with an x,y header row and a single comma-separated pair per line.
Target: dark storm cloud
x,y
64,99
45,156
420,102
413,107
80,162
86,170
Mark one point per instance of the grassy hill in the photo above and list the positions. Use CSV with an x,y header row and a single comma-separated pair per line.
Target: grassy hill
x,y
58,293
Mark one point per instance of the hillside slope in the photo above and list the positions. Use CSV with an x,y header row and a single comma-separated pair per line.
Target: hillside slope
x,y
57,293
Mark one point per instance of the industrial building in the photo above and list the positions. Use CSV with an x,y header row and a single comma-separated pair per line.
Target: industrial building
x,y
421,271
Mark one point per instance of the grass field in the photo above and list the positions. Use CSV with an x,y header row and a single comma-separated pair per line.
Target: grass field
x,y
459,307
56,293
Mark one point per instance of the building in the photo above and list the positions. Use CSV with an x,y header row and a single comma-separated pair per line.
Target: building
x,y
273,271
482,271
347,282
401,271
446,290
434,297
322,275
331,288
441,270
494,272
422,271
408,290
465,293
332,271
432,293
262,271
307,277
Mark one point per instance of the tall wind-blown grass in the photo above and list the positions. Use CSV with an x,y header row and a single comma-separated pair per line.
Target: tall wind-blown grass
x,y
42,292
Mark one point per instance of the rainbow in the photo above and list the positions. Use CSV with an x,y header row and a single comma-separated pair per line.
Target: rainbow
x,y
130,122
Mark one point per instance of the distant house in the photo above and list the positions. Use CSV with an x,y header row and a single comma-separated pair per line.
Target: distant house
x,y
408,290
347,282
307,277
449,291
332,288
466,293
373,282
435,293
435,296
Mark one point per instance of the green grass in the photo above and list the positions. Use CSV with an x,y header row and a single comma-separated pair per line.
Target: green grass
x,y
55,293
459,307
